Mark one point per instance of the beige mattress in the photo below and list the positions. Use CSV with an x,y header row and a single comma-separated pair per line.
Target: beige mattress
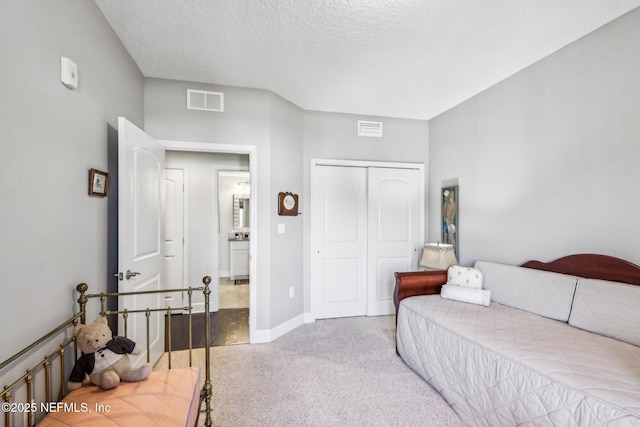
x,y
500,366
166,398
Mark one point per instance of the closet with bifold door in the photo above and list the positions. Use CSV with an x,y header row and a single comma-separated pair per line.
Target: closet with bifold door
x,y
366,224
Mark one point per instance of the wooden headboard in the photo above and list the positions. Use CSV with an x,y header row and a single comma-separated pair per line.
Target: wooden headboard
x,y
592,266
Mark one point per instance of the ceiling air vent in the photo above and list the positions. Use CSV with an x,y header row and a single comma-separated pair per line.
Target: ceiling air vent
x,y
366,128
205,101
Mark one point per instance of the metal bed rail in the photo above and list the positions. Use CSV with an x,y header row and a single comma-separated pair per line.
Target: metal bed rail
x,y
27,379
30,408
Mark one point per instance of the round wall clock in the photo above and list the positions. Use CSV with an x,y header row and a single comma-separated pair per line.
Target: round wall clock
x,y
287,204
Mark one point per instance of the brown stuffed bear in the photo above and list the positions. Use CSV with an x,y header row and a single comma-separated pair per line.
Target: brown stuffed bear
x,y
105,359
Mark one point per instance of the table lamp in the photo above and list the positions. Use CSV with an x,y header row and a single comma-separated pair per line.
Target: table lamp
x,y
437,256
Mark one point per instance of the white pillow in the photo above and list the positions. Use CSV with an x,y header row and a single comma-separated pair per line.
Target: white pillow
x,y
464,276
465,294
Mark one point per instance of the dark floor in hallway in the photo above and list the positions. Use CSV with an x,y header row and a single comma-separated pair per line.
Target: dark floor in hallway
x,y
227,327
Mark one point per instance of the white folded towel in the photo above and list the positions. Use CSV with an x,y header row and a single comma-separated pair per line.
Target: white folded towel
x,y
464,294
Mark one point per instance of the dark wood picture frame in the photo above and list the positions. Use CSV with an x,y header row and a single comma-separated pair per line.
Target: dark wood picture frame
x,y
283,210
98,183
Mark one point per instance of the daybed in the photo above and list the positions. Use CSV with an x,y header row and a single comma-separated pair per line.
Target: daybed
x,y
557,347
168,397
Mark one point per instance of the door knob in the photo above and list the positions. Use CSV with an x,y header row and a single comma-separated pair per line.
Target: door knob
x,y
129,274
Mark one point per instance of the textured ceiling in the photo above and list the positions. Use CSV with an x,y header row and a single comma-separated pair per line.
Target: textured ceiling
x,y
395,58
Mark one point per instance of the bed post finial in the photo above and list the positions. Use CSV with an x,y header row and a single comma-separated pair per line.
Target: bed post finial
x,y
82,300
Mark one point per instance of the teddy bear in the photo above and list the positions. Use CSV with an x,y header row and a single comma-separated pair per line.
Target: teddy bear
x,y
105,358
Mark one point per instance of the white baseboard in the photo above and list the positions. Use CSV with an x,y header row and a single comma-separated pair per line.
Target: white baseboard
x,y
287,326
309,318
268,335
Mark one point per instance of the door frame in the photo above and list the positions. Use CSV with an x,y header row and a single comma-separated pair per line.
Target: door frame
x,y
310,317
252,152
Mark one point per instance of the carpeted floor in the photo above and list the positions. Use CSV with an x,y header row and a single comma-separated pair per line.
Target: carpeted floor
x,y
335,372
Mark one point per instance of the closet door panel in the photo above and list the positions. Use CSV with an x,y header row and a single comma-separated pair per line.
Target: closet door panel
x,y
393,232
339,242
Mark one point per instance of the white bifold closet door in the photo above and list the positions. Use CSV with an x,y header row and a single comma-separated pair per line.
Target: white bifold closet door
x,y
365,226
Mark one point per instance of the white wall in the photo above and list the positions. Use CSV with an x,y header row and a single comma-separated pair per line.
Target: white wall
x,y
53,234
547,160
287,138
286,176
251,117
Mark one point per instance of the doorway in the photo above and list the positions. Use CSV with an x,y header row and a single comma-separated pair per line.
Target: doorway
x,y
193,277
234,230
238,157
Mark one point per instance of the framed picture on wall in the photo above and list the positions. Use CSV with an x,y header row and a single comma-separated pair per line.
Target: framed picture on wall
x,y
98,183
449,196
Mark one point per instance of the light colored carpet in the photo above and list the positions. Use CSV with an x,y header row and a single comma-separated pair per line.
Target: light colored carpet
x,y
335,372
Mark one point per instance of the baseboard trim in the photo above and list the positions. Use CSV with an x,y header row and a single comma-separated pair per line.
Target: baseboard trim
x,y
287,326
309,318
268,335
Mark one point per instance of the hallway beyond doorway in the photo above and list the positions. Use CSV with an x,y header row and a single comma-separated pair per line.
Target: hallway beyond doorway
x,y
233,295
229,325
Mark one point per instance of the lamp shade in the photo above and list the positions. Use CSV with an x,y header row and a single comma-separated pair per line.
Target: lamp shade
x,y
437,256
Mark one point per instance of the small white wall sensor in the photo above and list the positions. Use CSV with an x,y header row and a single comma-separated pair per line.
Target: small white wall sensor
x,y
68,73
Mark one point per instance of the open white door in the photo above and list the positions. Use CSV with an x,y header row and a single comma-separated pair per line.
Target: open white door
x,y
141,234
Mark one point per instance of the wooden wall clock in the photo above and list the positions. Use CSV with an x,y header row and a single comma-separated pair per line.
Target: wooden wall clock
x,y
287,204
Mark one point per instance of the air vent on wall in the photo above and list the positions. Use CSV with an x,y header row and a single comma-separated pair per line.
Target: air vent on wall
x,y
204,100
366,128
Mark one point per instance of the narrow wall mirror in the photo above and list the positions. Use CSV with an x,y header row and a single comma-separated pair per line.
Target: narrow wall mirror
x,y
240,211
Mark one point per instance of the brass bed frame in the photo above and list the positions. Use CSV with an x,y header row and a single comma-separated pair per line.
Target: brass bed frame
x,y
30,409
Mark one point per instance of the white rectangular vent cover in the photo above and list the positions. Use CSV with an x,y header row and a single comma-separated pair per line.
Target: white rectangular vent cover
x,y
204,100
366,128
